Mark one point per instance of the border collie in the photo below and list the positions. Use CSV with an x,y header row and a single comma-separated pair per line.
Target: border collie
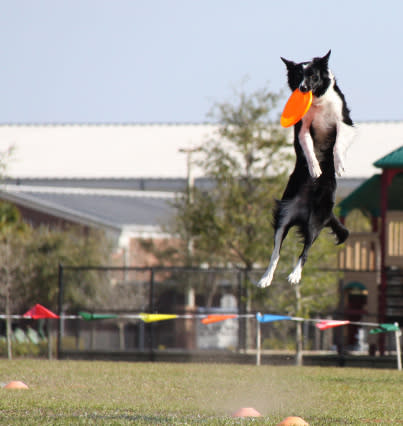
x,y
320,141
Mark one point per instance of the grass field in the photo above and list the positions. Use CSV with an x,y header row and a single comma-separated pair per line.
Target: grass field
x,y
118,393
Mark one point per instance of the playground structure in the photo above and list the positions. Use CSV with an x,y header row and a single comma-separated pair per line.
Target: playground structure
x,y
372,262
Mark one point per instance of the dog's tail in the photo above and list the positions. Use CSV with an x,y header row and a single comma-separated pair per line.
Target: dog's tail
x,y
338,229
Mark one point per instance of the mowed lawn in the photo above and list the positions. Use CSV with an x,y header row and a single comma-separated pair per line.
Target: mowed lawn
x,y
120,393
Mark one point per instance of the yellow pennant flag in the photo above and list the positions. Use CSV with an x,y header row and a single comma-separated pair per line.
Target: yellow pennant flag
x,y
157,317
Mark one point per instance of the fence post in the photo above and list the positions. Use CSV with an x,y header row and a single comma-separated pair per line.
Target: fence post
x,y
60,312
151,303
241,310
258,341
398,333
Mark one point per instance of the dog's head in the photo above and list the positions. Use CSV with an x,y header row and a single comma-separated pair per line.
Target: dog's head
x,y
309,76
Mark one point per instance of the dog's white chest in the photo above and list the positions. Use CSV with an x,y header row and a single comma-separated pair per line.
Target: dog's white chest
x,y
325,113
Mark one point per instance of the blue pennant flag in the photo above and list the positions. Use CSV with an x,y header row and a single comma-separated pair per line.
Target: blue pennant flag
x,y
270,318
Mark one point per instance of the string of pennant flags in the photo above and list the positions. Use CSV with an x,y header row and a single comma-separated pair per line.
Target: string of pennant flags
x,y
40,312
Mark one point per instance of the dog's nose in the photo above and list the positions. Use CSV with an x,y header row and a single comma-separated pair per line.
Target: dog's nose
x,y
303,88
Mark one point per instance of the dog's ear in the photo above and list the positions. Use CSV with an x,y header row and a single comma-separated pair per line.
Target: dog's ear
x,y
322,62
289,64
325,60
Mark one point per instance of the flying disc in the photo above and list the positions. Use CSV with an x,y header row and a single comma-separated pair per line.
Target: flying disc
x,y
296,107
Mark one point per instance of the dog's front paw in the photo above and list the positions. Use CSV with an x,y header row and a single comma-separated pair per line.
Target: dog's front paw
x,y
338,165
314,170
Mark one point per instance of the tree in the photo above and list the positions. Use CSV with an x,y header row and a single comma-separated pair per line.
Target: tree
x,y
47,248
248,161
12,262
29,260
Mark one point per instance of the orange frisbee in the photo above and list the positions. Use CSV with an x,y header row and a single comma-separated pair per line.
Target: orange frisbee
x,y
296,107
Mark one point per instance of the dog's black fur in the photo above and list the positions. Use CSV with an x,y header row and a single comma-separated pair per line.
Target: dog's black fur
x,y
309,197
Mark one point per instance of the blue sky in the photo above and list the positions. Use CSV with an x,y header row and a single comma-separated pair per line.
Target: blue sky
x,y
145,61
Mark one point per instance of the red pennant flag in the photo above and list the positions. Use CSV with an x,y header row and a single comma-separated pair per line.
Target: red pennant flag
x,y
325,324
216,318
39,312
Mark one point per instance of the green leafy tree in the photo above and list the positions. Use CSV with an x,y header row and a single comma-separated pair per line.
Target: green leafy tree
x,y
47,248
12,263
29,259
248,161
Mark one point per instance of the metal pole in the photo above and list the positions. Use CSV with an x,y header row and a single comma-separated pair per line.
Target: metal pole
x,y
258,342
60,312
398,333
152,310
241,311
49,332
151,295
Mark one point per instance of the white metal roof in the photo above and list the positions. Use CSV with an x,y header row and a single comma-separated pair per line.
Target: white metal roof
x,y
82,151
149,150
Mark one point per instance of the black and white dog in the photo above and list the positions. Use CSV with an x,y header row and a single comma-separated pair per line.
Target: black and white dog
x,y
320,141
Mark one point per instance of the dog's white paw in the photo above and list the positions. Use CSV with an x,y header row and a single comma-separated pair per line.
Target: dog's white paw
x,y
295,276
314,169
338,165
266,280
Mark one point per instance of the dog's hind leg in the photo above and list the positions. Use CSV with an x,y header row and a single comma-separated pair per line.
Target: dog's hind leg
x,y
267,278
295,276
338,229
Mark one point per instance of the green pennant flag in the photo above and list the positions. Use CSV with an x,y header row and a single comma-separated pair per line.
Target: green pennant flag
x,y
384,328
89,316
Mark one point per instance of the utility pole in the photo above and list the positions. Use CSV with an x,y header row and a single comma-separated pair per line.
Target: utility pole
x,y
189,170
190,296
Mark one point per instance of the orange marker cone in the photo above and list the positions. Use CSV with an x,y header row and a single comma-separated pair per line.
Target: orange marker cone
x,y
16,385
293,421
247,412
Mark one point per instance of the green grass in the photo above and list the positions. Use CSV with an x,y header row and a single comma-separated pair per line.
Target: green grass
x,y
119,393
